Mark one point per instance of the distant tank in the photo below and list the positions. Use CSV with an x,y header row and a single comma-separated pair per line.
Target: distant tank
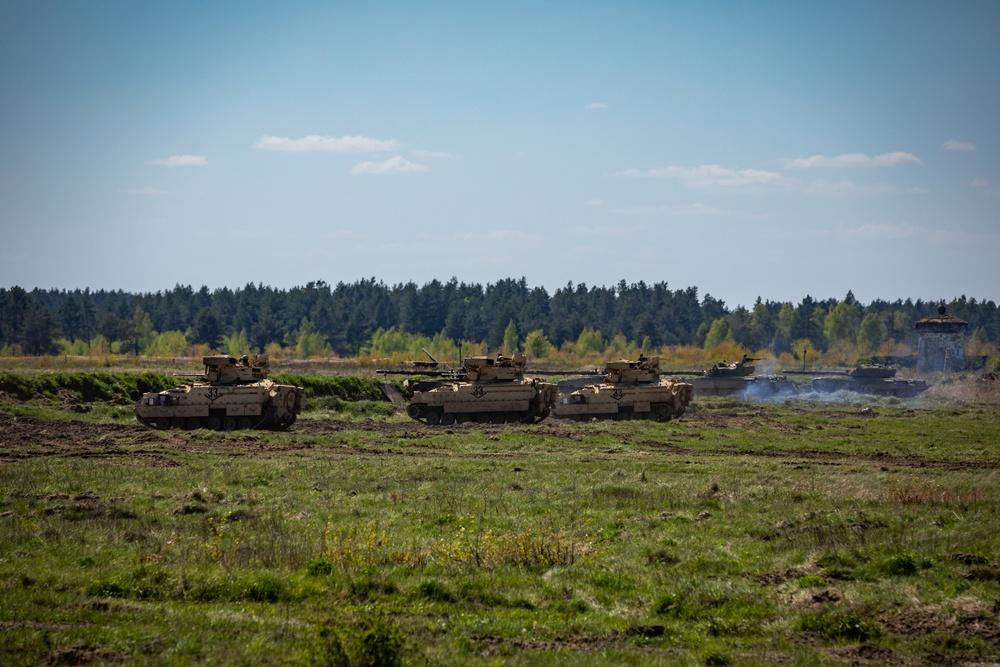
x,y
738,378
630,390
868,379
485,391
229,395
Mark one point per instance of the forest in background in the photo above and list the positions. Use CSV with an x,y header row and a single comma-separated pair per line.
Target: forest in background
x,y
370,319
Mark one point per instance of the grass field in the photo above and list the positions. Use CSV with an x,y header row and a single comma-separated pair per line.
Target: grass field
x,y
796,533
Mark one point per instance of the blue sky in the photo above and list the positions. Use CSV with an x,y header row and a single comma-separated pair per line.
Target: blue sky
x,y
771,149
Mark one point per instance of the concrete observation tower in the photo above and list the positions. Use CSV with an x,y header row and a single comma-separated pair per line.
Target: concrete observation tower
x,y
941,342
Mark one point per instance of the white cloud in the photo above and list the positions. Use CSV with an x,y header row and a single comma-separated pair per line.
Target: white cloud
x,y
148,190
394,165
597,105
978,183
711,176
853,160
596,202
962,146
317,143
181,161
438,155
874,232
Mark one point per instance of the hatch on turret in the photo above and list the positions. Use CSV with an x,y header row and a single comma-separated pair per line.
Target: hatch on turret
x,y
222,369
487,369
623,371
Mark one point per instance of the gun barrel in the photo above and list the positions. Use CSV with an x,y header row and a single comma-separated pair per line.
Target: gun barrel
x,y
790,372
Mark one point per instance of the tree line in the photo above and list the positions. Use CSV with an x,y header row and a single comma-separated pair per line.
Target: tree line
x,y
344,319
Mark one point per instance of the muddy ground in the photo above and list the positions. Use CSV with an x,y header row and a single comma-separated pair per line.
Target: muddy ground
x,y
30,437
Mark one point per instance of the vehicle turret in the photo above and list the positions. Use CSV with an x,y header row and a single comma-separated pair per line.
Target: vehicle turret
x,y
222,369
742,368
501,369
642,371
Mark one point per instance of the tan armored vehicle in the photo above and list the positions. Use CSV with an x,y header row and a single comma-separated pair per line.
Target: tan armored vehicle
x,y
630,390
486,391
229,395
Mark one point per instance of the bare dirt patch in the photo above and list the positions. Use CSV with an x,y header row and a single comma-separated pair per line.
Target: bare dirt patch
x,y
134,444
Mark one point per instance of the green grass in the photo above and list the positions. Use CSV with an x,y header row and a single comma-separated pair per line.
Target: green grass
x,y
742,534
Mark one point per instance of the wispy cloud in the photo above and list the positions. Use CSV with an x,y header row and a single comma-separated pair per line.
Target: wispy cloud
x,y
597,105
434,155
315,143
979,183
394,165
853,160
148,190
711,176
181,161
596,202
961,146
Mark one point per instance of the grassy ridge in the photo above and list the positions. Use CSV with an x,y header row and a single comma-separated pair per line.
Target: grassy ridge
x,y
128,387
739,535
86,387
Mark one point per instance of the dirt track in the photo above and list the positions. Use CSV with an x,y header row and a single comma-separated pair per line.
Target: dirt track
x,y
28,437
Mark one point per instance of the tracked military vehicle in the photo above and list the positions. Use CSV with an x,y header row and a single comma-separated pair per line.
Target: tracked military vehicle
x,y
868,379
739,377
630,390
485,391
229,395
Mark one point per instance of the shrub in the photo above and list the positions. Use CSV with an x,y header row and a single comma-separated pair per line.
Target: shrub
x,y
901,565
381,644
840,625
264,587
319,567
435,590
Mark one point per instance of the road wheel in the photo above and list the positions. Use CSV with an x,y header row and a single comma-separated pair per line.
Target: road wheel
x,y
482,418
433,418
214,424
497,418
447,419
243,423
513,417
229,424
461,418
413,411
192,424
163,423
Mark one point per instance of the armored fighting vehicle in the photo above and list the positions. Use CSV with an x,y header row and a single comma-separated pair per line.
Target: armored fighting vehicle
x,y
630,390
738,378
229,395
485,390
868,379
